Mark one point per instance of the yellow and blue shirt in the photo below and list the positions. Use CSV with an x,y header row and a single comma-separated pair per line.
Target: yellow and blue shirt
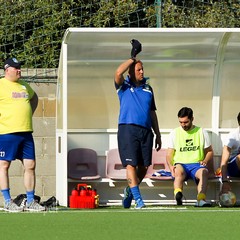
x,y
15,108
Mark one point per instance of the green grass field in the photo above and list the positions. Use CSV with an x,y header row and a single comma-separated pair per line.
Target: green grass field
x,y
116,223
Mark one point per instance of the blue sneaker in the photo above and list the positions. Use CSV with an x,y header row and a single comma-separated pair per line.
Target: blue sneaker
x,y
128,197
140,204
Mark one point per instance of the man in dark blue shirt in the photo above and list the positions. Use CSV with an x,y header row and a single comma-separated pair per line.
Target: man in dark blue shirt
x,y
137,118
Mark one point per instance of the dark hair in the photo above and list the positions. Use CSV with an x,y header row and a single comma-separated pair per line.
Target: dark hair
x,y
238,118
185,112
131,69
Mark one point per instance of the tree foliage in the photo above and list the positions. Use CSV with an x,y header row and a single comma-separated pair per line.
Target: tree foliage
x,y
32,30
201,14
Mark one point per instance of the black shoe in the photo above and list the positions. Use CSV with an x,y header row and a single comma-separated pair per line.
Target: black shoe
x,y
50,203
178,198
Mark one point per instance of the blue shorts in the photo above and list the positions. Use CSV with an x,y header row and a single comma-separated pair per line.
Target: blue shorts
x,y
191,169
232,167
17,146
135,145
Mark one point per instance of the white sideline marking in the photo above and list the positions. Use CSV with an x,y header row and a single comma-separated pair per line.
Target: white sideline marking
x,y
151,210
133,210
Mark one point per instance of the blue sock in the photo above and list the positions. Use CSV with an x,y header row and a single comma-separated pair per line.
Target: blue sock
x,y
136,193
30,196
6,195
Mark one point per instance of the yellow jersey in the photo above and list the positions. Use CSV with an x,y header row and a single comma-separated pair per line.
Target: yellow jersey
x,y
189,145
15,108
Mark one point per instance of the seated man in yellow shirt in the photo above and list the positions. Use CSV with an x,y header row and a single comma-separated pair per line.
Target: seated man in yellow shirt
x,y
189,150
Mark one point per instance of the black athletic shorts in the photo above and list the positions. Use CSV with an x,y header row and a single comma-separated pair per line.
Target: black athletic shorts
x,y
135,145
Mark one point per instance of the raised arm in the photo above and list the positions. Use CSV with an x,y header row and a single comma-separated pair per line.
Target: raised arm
x,y
136,48
119,78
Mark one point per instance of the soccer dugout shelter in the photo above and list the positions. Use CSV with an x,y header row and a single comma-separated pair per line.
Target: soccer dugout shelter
x,y
198,68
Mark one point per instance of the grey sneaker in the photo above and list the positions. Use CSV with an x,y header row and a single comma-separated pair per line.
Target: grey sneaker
x,y
12,207
34,207
203,203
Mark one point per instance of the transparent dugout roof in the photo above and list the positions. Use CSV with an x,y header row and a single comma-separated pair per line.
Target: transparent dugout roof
x,y
170,46
186,67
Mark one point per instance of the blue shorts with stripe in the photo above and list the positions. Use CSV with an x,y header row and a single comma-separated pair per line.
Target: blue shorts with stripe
x,y
191,169
17,146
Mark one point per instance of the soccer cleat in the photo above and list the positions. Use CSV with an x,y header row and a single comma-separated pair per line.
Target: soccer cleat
x,y
34,207
179,197
202,203
128,197
140,204
12,207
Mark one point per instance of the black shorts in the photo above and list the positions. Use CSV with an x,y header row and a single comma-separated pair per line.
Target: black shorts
x,y
135,145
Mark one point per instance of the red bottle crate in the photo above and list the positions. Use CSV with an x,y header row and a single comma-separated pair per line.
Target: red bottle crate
x,y
83,197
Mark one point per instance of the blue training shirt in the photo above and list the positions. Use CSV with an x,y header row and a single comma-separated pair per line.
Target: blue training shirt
x,y
136,103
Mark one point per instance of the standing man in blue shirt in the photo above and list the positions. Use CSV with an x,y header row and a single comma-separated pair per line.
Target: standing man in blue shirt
x,y
137,118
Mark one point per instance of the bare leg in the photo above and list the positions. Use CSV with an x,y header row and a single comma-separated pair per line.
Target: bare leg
x,y
135,175
132,177
202,176
180,175
4,178
29,174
